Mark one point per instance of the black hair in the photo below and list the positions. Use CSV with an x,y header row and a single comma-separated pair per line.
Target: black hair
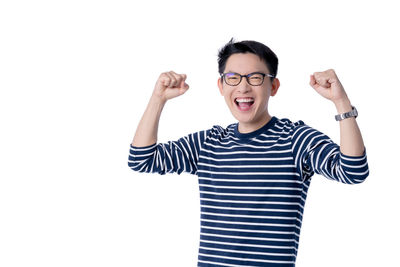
x,y
261,50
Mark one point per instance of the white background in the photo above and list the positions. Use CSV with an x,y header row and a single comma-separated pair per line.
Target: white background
x,y
75,78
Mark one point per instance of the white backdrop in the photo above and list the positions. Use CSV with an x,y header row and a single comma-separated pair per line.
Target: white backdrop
x,y
75,78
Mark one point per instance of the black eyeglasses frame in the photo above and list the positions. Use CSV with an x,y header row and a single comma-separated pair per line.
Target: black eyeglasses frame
x,y
247,77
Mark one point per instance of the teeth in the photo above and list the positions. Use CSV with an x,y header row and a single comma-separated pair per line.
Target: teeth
x,y
245,100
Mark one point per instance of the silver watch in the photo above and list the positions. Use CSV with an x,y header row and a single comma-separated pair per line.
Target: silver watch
x,y
352,113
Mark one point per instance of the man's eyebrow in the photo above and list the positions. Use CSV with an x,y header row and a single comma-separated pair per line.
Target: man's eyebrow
x,y
229,71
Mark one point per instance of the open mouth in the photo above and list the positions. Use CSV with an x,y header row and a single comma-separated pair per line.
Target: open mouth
x,y
245,103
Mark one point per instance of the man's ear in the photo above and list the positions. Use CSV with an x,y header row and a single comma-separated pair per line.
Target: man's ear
x,y
221,90
275,86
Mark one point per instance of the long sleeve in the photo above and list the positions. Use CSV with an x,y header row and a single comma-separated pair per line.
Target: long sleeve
x,y
174,156
315,152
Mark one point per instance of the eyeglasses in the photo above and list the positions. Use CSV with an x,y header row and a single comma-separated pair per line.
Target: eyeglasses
x,y
254,78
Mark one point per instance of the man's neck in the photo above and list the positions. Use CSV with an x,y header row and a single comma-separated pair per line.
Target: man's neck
x,y
251,127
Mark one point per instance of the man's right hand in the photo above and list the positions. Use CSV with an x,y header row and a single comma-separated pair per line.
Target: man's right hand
x,y
170,85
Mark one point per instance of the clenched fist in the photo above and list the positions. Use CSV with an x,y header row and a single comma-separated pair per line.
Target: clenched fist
x,y
327,84
169,85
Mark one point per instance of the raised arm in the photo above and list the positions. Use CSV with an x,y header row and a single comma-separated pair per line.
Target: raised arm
x,y
168,85
327,84
316,152
145,154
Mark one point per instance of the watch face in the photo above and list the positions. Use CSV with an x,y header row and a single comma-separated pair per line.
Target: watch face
x,y
354,112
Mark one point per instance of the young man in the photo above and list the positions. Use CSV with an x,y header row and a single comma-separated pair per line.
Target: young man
x,y
254,174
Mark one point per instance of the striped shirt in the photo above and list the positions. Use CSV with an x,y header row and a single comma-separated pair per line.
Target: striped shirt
x,y
253,186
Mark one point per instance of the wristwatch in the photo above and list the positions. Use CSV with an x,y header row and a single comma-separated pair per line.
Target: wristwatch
x,y
352,113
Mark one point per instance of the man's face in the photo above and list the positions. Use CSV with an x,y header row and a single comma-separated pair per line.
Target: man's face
x,y
254,114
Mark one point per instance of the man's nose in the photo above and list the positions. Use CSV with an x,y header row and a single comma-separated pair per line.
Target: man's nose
x,y
243,86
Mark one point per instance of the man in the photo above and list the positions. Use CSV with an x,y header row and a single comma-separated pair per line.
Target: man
x,y
254,174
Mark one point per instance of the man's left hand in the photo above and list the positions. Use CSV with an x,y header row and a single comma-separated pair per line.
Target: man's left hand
x,y
327,84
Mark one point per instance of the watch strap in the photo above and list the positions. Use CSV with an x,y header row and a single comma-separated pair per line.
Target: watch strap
x,y
352,113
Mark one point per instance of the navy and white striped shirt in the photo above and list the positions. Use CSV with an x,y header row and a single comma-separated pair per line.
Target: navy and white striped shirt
x,y
253,186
